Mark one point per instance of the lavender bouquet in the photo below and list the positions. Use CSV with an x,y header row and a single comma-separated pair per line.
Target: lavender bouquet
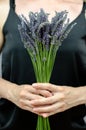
x,y
42,39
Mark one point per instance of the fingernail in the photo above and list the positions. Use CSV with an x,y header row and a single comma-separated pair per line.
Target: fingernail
x,y
34,84
44,115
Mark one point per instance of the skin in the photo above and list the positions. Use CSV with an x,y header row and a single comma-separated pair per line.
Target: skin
x,y
63,98
41,98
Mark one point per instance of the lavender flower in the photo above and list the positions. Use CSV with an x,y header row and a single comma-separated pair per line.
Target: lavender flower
x,y
42,39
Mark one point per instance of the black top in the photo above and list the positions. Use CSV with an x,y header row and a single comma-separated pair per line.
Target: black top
x,y
69,69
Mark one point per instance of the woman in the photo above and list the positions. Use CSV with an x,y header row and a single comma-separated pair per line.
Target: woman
x,y
21,98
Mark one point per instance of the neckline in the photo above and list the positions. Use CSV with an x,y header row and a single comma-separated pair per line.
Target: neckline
x,y
71,21
19,19
74,21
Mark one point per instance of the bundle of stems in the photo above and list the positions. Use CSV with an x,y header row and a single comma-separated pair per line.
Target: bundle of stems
x,y
42,40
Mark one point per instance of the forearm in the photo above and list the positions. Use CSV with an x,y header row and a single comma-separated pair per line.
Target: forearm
x,y
6,88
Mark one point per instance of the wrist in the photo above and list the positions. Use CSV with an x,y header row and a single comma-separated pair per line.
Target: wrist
x,y
6,89
82,95
11,92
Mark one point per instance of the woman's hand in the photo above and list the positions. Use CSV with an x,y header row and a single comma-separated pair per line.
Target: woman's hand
x,y
62,98
22,95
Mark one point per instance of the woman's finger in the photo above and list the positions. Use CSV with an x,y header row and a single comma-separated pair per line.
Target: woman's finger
x,y
47,101
47,86
54,108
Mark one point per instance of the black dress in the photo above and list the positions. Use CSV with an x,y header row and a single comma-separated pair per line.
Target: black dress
x,y
69,69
